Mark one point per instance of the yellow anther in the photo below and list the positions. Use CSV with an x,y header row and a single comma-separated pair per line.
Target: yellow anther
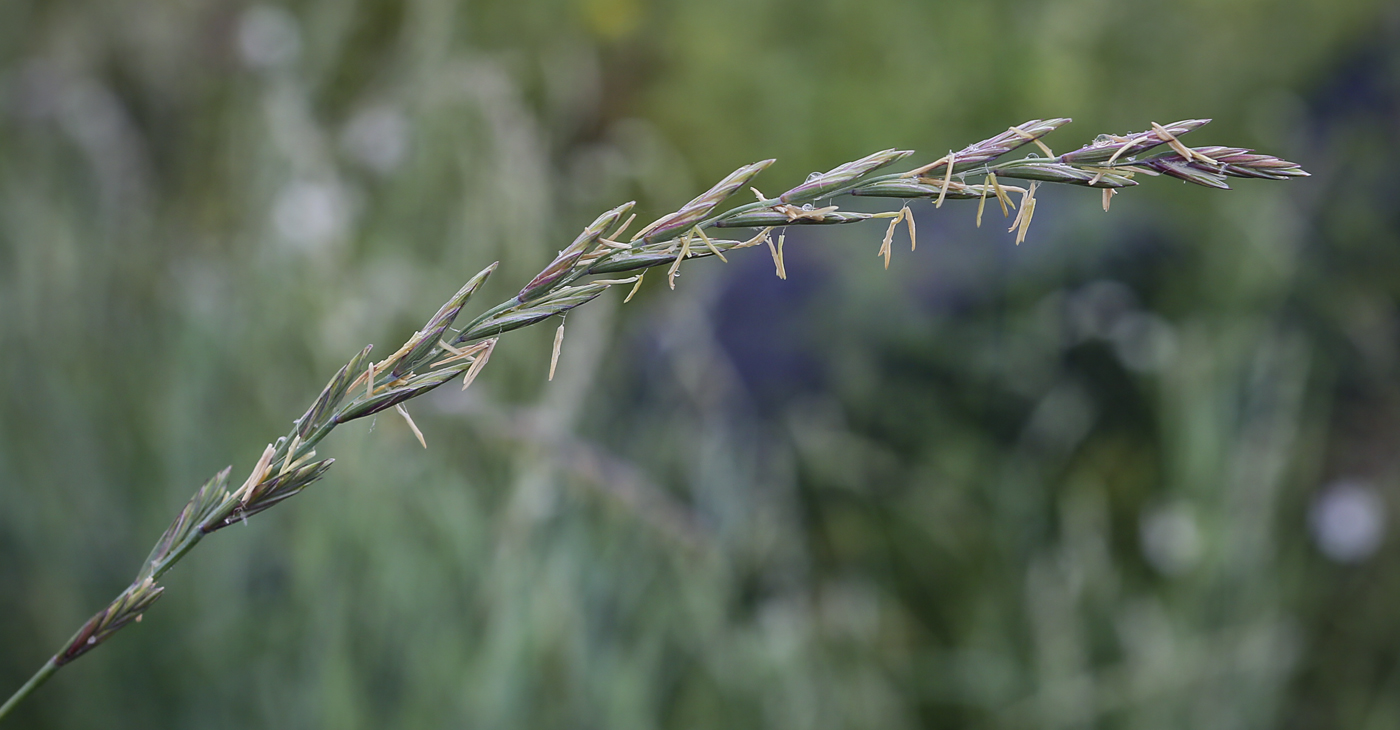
x,y
982,200
635,287
710,244
558,343
1002,197
675,267
1027,135
777,252
412,426
947,180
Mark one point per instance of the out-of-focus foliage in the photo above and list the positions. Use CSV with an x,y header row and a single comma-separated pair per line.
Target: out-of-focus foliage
x,y
1134,473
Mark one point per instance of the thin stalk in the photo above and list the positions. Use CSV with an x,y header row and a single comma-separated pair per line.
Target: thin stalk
x,y
34,682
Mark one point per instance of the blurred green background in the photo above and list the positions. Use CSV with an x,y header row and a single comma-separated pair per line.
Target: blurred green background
x,y
1135,473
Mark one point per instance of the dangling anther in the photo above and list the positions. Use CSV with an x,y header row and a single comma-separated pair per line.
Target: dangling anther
x,y
413,426
635,287
1002,197
908,216
777,252
982,200
675,267
947,179
558,343
1023,134
710,244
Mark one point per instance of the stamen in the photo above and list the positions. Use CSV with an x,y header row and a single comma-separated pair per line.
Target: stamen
x,y
675,267
908,216
1203,158
1002,197
947,179
889,238
794,213
777,252
291,452
591,257
635,287
1108,194
393,359
1187,153
760,238
1027,135
622,227
355,384
462,354
1175,143
302,461
930,166
614,282
245,492
558,342
1126,145
650,227
479,363
710,244
404,412
1023,217
982,201
1020,213
1026,221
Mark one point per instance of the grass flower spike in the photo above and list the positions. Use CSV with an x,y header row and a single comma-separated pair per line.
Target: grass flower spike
x,y
440,351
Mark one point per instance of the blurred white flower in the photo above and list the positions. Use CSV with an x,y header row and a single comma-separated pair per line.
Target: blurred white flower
x,y
311,214
1348,521
1171,539
377,137
268,37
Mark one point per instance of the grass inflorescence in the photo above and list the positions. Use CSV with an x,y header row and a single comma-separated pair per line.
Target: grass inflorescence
x,y
440,352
